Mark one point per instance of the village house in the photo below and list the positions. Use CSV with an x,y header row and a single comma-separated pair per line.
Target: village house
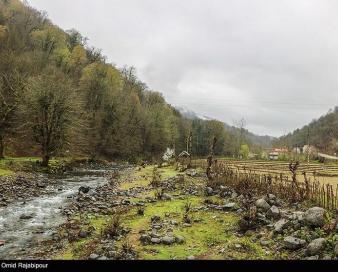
x,y
275,153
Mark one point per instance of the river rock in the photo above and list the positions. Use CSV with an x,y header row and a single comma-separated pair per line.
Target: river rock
x,y
191,258
273,212
41,184
314,217
293,243
168,240
262,204
84,189
26,216
315,247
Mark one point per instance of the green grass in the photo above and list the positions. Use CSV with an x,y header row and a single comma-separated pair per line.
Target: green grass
x,y
5,172
203,239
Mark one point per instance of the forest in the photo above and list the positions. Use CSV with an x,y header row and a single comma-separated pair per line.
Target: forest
x,y
60,97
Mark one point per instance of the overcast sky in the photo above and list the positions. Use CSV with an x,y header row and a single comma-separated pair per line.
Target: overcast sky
x,y
272,62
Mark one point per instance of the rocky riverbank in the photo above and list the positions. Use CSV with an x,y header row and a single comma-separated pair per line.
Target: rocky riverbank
x,y
135,216
22,187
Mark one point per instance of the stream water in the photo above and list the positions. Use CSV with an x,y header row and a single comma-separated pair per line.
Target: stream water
x,y
22,235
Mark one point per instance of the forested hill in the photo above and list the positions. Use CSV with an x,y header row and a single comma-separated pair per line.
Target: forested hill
x,y
322,133
60,97
251,138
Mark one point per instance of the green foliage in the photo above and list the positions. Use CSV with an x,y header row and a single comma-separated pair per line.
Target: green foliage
x,y
244,151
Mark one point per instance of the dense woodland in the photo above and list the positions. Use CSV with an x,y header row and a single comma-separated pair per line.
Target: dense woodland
x,y
60,97
321,133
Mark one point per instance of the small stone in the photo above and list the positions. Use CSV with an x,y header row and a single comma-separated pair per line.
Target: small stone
x,y
265,242
41,185
293,243
93,256
145,239
273,212
262,204
155,240
312,258
280,225
84,189
179,239
168,240
229,206
83,234
102,258
315,247
26,216
166,197
314,217
327,258
209,191
155,218
191,258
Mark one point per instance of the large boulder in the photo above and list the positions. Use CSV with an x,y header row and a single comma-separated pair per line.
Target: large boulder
x,y
315,217
262,204
293,243
315,247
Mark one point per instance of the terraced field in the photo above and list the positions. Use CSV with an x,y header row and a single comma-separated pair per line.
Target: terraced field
x,y
325,173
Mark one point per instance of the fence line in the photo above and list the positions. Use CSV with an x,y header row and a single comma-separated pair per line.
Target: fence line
x,y
249,182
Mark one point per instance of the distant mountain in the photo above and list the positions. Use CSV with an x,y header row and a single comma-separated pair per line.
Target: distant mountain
x,y
262,141
191,114
321,133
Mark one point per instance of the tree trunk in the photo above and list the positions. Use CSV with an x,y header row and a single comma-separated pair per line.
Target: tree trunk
x,y
45,160
2,147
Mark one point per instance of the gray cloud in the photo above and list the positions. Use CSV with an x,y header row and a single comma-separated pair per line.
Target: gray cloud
x,y
274,63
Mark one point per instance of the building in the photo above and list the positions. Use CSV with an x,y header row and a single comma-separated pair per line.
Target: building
x,y
275,153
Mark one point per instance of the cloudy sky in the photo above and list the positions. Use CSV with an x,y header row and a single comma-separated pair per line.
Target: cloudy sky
x,y
272,62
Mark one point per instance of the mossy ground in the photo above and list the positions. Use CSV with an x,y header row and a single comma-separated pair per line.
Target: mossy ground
x,y
212,235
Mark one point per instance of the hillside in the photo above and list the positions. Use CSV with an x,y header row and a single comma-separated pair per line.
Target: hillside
x,y
255,141
322,133
60,97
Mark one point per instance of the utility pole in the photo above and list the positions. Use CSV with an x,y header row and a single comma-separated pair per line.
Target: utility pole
x,y
308,146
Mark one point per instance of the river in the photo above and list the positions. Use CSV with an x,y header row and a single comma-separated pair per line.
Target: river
x,y
22,235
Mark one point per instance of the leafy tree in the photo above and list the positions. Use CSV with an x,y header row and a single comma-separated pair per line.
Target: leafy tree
x,y
50,110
